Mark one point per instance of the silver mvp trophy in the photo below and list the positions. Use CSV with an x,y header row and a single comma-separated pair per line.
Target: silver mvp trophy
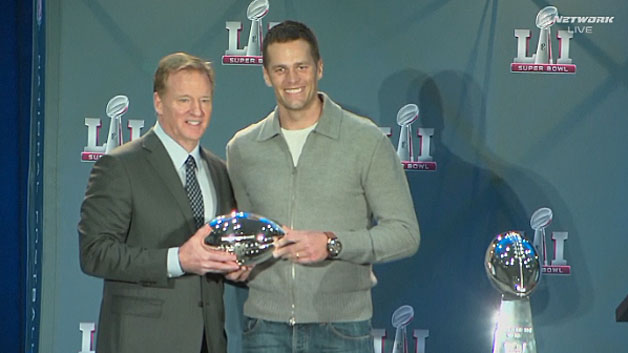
x,y
249,236
513,267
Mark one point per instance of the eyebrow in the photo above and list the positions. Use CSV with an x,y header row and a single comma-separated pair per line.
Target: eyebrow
x,y
189,96
286,65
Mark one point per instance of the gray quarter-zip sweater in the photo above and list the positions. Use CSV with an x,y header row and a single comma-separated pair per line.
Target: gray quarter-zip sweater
x,y
349,181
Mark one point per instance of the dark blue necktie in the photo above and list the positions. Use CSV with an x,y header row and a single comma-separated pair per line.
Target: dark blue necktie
x,y
194,192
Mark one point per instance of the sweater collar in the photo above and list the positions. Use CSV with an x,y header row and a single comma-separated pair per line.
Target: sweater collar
x,y
328,123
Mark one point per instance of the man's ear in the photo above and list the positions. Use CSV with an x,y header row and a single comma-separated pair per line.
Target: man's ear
x,y
157,103
266,77
320,68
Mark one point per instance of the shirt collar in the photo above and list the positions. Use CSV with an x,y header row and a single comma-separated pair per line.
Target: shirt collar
x,y
177,153
328,123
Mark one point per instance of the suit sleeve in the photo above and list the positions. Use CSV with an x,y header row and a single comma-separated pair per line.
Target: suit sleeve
x,y
106,215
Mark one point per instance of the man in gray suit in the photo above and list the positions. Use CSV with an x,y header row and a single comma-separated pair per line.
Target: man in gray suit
x,y
143,222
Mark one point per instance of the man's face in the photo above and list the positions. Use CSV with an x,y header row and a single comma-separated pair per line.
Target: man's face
x,y
185,107
293,74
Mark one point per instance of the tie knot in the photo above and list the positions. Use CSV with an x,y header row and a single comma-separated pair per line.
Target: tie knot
x,y
190,163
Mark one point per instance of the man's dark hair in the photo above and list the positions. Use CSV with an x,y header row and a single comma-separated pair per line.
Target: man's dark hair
x,y
287,31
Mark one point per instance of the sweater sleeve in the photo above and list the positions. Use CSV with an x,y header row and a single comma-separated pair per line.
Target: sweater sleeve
x,y
234,168
395,234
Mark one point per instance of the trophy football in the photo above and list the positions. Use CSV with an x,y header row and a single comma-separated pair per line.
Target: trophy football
x,y
513,267
539,220
401,318
544,20
249,236
408,114
255,12
116,107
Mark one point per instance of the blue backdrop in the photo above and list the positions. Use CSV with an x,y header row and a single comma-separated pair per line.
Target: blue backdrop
x,y
505,144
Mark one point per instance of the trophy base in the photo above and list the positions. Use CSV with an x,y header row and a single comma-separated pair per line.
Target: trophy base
x,y
514,332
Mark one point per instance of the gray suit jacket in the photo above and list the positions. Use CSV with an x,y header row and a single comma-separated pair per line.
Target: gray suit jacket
x,y
135,208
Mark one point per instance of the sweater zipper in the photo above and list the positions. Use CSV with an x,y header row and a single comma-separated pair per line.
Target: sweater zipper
x,y
293,269
292,320
293,202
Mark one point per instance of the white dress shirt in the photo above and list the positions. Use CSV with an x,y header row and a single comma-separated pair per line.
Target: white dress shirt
x,y
179,155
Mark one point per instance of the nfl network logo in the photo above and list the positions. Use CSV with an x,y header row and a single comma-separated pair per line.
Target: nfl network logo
x,y
251,54
542,61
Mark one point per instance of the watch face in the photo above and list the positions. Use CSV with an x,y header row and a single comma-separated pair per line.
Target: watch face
x,y
334,247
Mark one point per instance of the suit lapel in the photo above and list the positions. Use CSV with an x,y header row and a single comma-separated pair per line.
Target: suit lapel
x,y
158,157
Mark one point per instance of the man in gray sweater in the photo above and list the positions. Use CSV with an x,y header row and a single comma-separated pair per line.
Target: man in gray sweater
x,y
334,180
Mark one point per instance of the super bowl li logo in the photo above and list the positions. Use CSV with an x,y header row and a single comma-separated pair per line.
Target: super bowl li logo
x,y
401,319
540,220
116,107
251,54
407,115
542,61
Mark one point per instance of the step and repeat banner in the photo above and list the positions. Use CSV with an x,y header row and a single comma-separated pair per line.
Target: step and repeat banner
x,y
507,116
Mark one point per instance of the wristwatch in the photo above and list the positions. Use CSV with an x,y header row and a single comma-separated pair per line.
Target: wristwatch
x,y
334,246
